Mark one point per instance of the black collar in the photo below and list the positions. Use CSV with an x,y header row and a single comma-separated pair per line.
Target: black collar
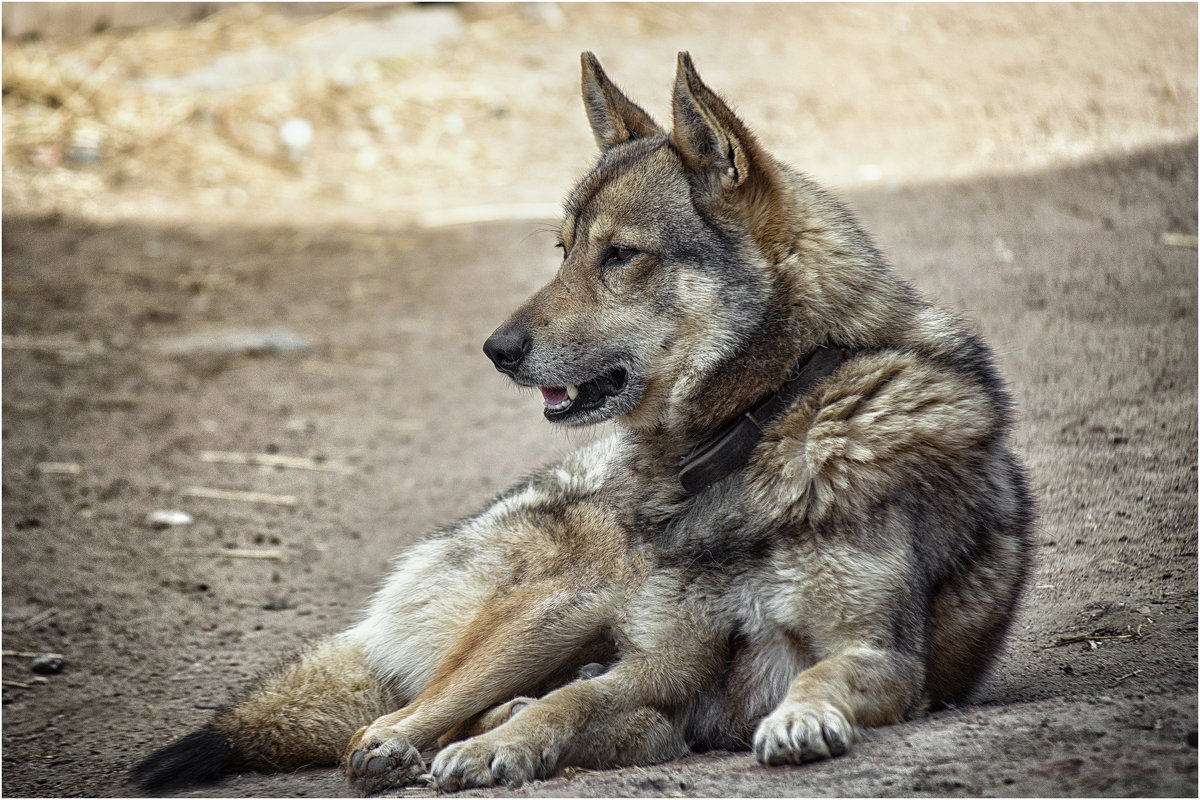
x,y
726,452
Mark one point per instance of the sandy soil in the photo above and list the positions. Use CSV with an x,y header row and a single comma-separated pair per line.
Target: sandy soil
x,y
1035,168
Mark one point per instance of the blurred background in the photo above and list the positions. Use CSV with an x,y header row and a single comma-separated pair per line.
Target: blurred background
x,y
263,111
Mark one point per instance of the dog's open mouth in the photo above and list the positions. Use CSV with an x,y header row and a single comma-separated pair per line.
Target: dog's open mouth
x,y
565,402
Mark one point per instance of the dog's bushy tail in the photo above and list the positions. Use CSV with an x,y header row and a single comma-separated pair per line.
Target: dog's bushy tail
x,y
301,714
198,758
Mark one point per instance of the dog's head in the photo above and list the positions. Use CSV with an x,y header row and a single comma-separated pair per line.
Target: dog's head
x,y
664,279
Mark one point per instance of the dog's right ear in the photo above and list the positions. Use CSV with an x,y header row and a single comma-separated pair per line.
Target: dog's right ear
x,y
613,116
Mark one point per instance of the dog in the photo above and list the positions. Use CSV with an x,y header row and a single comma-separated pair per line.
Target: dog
x,y
808,522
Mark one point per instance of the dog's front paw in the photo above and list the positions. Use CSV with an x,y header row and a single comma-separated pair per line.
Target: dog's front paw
x,y
378,760
486,761
798,732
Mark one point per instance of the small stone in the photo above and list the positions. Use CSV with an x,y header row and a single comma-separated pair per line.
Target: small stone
x,y
46,664
280,604
296,135
168,518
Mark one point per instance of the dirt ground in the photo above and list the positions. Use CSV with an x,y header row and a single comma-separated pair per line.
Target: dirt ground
x,y
1032,167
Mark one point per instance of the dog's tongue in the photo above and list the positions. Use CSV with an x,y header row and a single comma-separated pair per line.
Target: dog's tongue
x,y
553,395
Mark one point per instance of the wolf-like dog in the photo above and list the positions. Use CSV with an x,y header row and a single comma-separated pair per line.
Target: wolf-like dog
x,y
808,522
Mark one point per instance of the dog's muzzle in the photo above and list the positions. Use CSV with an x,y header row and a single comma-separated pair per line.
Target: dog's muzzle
x,y
565,402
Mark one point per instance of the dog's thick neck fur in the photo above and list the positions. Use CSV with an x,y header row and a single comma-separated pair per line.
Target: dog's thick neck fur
x,y
817,273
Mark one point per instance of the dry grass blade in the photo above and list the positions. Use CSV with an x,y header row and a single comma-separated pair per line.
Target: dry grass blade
x,y
59,468
1171,239
1127,675
241,497
38,619
271,460
28,654
1091,637
217,552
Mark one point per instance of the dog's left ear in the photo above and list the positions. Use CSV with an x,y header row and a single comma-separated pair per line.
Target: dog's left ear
x,y
713,142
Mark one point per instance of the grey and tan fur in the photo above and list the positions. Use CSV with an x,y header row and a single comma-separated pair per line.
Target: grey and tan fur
x,y
864,562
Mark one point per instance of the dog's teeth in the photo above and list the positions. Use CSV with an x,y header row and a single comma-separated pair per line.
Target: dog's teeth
x,y
572,391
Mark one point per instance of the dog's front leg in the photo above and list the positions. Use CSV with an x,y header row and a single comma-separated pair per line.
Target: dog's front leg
x,y
827,703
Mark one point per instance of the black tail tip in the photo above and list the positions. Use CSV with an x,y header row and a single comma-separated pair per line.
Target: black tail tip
x,y
198,758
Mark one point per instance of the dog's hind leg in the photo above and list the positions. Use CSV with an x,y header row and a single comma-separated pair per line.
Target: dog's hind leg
x,y
579,725
634,713
498,715
511,646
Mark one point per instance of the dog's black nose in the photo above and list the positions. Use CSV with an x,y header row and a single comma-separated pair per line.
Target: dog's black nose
x,y
507,348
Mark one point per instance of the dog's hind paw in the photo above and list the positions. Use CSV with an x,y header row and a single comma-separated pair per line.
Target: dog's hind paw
x,y
796,733
483,762
376,763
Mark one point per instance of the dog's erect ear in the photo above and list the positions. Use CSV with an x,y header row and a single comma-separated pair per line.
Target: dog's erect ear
x,y
708,135
614,117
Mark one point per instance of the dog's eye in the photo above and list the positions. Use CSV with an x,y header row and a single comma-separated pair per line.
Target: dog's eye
x,y
562,247
617,254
